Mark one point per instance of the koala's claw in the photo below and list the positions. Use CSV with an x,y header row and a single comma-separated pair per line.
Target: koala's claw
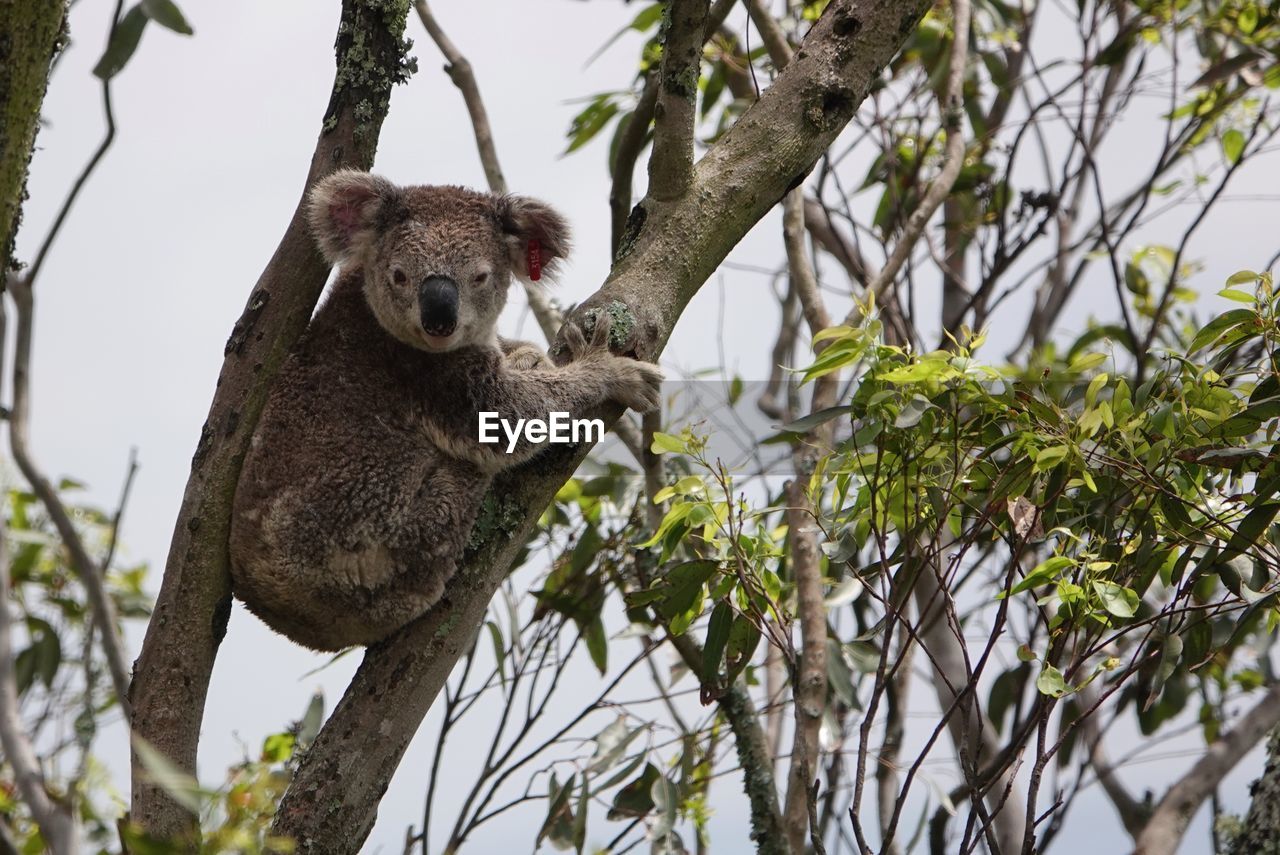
x,y
635,384
600,335
528,357
577,342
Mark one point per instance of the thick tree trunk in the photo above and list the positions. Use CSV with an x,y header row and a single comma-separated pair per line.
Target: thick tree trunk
x,y
669,248
1261,832
171,676
31,34
1164,831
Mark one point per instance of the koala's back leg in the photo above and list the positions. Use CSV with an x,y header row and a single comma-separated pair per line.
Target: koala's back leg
x,y
421,552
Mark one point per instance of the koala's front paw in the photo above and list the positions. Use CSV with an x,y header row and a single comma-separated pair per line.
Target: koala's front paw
x,y
527,357
633,383
630,382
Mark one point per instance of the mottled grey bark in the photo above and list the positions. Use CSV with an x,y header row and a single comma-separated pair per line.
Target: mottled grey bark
x,y
1260,834
31,33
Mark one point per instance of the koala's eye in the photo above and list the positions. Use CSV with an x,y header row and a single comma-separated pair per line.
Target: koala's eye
x,y
481,278
399,277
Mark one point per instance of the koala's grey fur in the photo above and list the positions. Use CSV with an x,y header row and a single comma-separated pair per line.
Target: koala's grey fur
x,y
365,473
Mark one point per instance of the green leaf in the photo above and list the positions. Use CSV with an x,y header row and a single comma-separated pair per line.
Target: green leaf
x,y
647,18
1219,326
597,645
1198,645
1233,145
840,676
611,744
744,638
911,413
46,650
846,592
163,773
1046,571
1170,654
1247,20
1095,386
166,14
499,648
1249,532
124,41
680,594
591,121
636,799
278,747
1117,600
1050,682
813,420
558,824
24,669
664,443
717,640
666,800
1236,296
1049,457
1242,277
309,725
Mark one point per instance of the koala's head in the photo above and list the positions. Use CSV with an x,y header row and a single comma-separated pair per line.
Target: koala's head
x,y
436,261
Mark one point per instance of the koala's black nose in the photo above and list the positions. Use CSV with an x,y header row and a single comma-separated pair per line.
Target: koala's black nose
x,y
438,305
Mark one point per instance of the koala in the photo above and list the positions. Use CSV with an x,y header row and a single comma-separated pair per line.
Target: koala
x,y
365,473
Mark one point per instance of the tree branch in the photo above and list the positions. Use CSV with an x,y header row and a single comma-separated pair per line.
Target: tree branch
x,y
31,34
90,573
975,737
669,250
809,680
767,829
630,143
1174,811
824,234
54,821
671,164
775,41
1262,823
109,118
191,612
953,156
1132,814
459,69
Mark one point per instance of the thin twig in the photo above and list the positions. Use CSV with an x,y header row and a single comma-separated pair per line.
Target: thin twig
x,y
90,573
56,825
953,156
459,69
545,311
107,139
631,142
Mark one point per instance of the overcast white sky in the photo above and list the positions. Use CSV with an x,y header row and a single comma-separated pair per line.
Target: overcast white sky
x,y
215,133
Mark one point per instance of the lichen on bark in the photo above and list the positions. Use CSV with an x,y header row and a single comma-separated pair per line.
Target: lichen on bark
x,y
32,32
1259,831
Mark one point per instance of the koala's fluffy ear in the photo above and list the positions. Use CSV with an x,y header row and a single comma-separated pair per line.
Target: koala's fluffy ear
x,y
523,220
343,211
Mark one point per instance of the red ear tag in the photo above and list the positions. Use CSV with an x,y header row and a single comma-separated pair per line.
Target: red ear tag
x,y
533,256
